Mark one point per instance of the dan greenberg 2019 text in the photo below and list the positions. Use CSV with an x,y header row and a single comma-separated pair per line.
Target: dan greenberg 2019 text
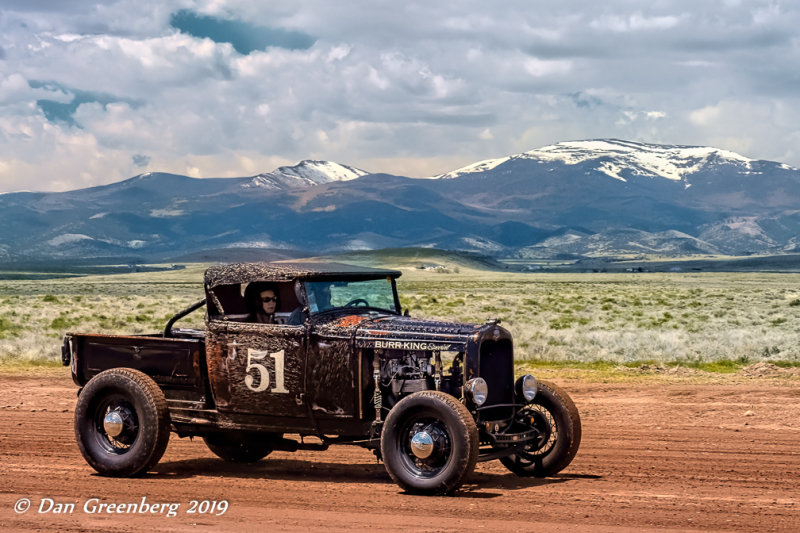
x,y
95,506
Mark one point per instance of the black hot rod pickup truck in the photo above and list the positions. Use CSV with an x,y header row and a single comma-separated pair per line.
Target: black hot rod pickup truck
x,y
337,359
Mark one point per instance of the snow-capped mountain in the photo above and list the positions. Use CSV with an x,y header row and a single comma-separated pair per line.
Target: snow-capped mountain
x,y
578,199
622,159
305,174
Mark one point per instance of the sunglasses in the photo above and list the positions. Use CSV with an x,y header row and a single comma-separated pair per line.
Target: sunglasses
x,y
269,299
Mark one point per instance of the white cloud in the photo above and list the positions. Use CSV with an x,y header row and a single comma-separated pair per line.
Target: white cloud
x,y
422,88
338,53
705,116
540,68
634,22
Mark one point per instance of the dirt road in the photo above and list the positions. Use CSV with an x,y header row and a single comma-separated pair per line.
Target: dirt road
x,y
654,457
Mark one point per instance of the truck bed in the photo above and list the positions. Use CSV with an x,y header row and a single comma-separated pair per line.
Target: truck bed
x,y
177,364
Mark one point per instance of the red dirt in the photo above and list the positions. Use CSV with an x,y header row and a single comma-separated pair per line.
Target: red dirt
x,y
653,458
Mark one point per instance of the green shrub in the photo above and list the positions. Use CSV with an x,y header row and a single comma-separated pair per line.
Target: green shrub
x,y
8,328
61,322
561,323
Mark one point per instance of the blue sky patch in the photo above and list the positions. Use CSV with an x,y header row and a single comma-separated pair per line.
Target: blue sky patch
x,y
245,38
58,111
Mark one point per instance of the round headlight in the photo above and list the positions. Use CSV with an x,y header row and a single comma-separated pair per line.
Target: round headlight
x,y
477,391
526,388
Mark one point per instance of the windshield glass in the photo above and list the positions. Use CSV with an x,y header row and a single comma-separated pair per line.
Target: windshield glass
x,y
327,295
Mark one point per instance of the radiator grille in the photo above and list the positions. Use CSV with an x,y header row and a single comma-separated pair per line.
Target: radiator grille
x,y
497,368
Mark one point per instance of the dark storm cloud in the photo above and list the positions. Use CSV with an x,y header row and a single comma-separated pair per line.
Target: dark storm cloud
x,y
140,160
586,101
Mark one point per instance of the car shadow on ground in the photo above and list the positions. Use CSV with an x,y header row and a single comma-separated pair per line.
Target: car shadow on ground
x,y
482,481
282,469
304,470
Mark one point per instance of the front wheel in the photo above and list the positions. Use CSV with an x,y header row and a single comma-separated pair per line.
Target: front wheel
x,y
554,414
122,422
429,443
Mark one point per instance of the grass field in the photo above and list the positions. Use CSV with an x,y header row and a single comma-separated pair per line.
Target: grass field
x,y
35,314
692,319
711,321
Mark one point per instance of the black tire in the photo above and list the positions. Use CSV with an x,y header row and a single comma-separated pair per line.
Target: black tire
x,y
142,408
556,416
454,451
241,447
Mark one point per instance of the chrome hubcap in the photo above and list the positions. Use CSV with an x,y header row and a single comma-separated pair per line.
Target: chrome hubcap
x,y
113,424
422,445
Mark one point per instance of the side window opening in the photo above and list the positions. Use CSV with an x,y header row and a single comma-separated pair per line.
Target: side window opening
x,y
235,307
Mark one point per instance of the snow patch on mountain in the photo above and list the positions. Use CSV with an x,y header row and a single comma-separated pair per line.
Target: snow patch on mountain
x,y
322,171
561,240
613,156
165,213
355,245
619,242
481,244
611,169
252,244
264,181
68,238
480,166
745,226
304,174
739,233
671,242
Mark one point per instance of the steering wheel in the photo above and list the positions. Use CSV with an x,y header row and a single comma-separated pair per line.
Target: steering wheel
x,y
356,302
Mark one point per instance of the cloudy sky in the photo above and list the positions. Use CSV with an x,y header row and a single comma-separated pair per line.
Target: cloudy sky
x,y
95,92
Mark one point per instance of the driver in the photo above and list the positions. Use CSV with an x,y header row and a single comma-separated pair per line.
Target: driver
x,y
262,302
319,297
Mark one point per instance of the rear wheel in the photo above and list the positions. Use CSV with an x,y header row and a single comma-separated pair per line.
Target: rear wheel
x,y
429,443
554,414
122,422
241,447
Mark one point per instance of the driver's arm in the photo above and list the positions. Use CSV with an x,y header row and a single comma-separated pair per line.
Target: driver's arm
x,y
296,318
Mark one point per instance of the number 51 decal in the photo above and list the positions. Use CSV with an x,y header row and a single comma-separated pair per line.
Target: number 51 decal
x,y
253,356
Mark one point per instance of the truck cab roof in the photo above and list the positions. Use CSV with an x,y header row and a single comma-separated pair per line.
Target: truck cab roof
x,y
234,273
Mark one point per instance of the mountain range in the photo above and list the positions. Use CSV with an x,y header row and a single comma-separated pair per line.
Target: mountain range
x,y
595,198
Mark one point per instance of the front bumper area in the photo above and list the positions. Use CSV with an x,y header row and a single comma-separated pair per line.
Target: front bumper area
x,y
500,438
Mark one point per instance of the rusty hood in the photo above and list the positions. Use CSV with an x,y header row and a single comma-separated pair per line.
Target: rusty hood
x,y
406,333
